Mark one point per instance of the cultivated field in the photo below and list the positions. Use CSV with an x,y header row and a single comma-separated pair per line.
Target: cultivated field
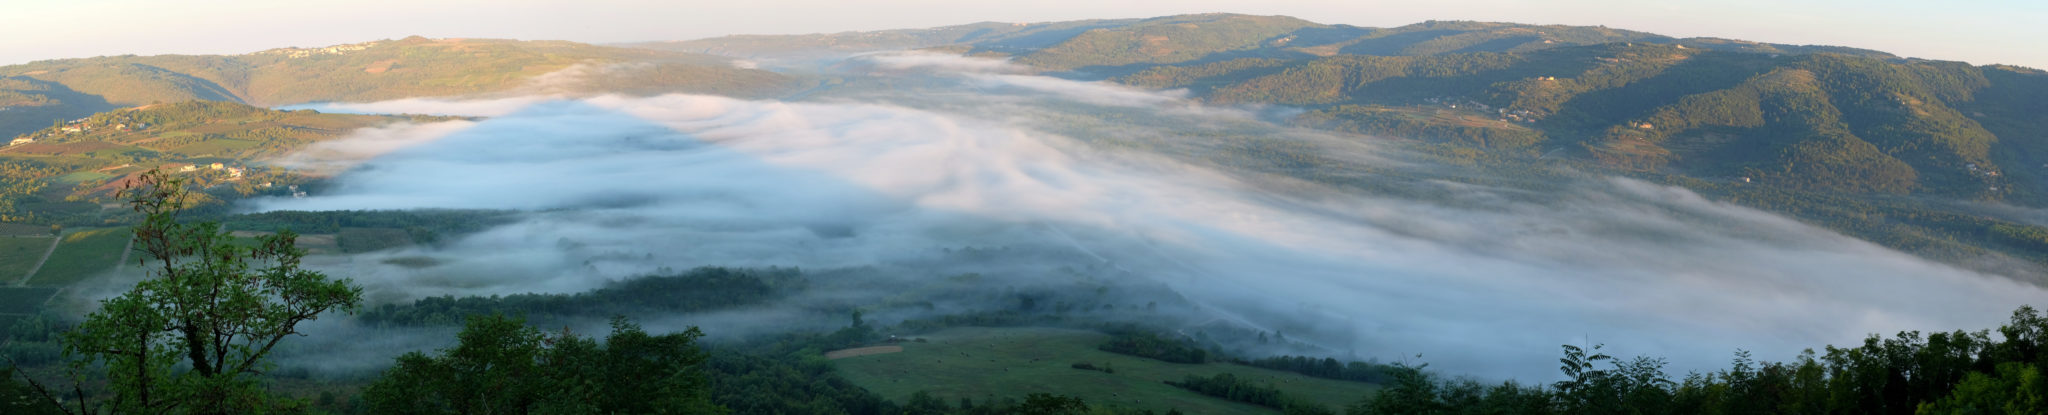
x,y
863,351
357,240
82,254
983,362
18,254
23,229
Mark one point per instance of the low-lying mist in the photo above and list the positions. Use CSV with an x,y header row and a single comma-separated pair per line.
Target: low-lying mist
x,y
920,154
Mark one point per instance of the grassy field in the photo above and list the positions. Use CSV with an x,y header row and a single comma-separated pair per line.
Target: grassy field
x,y
220,147
17,254
23,300
82,254
15,229
74,178
982,362
355,240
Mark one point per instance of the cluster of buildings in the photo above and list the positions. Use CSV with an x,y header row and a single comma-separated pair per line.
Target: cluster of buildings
x,y
1521,116
1455,103
233,172
1501,114
75,127
1986,172
296,53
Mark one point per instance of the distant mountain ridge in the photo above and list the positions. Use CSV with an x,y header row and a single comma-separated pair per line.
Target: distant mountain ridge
x,y
1900,152
1824,118
1107,43
1805,117
35,93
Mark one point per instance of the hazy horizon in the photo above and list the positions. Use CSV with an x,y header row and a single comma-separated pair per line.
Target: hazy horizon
x,y
1976,31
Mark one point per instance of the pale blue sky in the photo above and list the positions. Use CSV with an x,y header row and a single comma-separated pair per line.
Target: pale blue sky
x,y
1977,31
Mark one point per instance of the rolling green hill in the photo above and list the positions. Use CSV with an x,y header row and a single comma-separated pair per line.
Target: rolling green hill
x,y
1883,148
990,36
1818,121
1121,46
38,92
1164,40
1805,117
61,173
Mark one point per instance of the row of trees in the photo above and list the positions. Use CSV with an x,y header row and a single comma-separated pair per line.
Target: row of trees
x,y
699,289
503,366
20,180
1228,386
193,337
1937,373
1152,345
1326,368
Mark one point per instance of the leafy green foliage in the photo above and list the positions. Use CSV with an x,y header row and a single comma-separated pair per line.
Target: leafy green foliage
x,y
1050,404
1326,368
1228,386
501,365
1415,391
1953,372
192,337
1152,345
2015,388
33,340
423,226
20,179
700,289
752,384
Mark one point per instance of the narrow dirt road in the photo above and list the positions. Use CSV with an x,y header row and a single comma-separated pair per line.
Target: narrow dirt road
x,y
39,262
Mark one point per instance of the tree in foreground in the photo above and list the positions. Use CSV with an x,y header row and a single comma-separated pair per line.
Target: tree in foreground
x,y
502,366
193,336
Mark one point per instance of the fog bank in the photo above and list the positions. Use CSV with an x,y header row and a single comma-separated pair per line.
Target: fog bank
x,y
927,153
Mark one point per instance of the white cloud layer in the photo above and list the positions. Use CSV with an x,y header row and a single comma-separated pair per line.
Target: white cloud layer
x,y
1481,280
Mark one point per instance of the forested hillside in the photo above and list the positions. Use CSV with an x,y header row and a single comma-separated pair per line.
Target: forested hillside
x,y
1824,118
33,94
990,36
1818,122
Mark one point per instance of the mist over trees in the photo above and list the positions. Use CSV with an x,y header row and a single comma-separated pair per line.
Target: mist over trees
x,y
1153,191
